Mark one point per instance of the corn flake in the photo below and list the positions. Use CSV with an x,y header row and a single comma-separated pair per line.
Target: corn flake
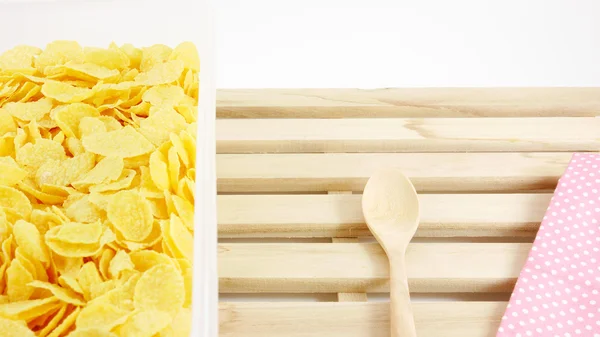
x,y
145,323
30,240
68,117
12,174
33,155
160,288
125,143
65,92
19,59
63,294
163,95
161,73
154,55
10,328
29,111
13,199
131,215
101,316
111,58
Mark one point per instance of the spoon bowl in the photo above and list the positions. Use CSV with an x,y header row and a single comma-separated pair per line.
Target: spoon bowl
x,y
391,210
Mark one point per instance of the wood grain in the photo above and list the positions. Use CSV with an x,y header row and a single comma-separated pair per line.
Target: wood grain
x,y
429,172
358,267
453,319
408,102
442,215
407,135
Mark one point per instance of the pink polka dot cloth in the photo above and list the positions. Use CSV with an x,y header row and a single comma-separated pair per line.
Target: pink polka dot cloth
x,y
558,290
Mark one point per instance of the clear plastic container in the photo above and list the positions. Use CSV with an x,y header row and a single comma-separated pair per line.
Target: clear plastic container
x,y
142,23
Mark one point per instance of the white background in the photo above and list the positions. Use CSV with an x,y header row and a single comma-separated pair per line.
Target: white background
x,y
406,43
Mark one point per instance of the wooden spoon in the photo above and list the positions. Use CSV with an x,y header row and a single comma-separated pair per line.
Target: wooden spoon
x,y
391,210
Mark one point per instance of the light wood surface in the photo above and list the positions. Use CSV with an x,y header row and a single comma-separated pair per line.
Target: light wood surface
x,y
447,319
407,135
408,102
363,267
484,161
429,172
442,215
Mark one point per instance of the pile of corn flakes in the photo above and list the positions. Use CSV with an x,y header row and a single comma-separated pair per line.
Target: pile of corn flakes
x,y
97,174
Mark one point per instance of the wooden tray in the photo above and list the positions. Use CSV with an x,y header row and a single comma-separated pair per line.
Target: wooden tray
x,y
292,163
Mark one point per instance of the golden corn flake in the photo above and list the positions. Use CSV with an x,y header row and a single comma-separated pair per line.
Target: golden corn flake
x,y
28,111
119,263
182,238
155,54
164,95
111,58
64,92
131,215
68,117
17,278
124,143
28,310
58,53
33,155
28,186
124,182
87,72
10,328
159,170
63,294
101,316
15,200
161,73
70,282
97,162
160,288
84,211
134,54
7,123
73,232
146,259
145,323
187,53
19,59
106,170
11,174
28,238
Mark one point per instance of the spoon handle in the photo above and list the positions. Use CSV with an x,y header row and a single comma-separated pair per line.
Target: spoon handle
x,y
401,316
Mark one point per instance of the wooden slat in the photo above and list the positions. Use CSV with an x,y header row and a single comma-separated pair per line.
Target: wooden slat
x,y
407,135
429,172
455,319
442,215
352,267
409,102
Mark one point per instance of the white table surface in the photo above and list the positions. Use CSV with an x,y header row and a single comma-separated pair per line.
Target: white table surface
x,y
407,43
